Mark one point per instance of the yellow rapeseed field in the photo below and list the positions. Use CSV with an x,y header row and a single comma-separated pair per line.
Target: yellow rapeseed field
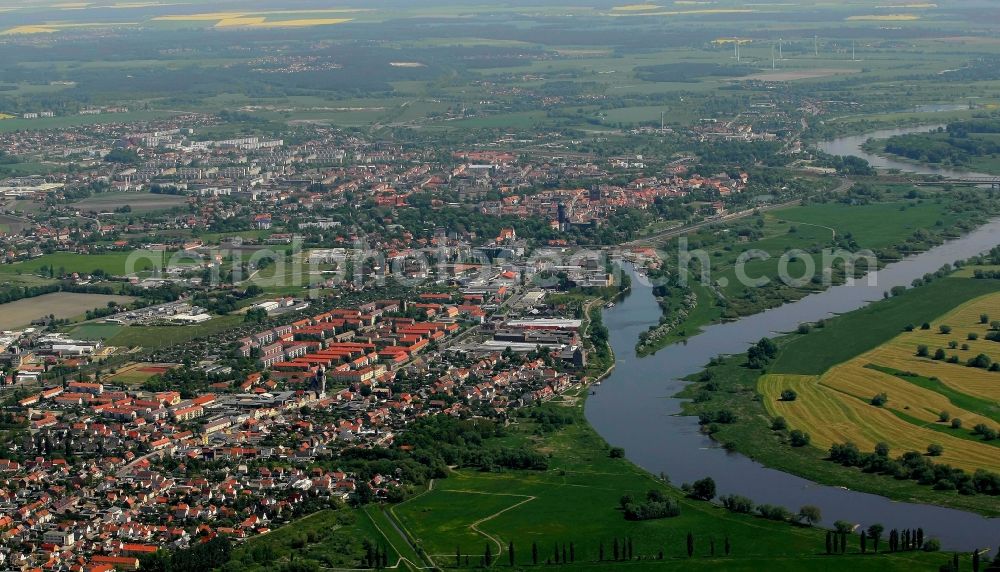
x,y
300,23
48,28
29,30
705,11
883,18
636,8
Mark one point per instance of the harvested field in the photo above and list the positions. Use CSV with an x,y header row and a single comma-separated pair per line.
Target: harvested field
x,y
792,75
60,304
835,407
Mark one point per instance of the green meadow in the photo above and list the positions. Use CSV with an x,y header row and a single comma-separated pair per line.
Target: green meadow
x,y
577,501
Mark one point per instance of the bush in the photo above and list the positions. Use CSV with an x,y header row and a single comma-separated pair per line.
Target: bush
x,y
882,449
880,400
981,361
925,326
810,514
935,450
650,510
616,453
973,336
944,329
703,489
944,416
737,503
779,424
723,416
789,395
932,545
772,512
846,454
922,351
956,423
798,438
939,354
986,432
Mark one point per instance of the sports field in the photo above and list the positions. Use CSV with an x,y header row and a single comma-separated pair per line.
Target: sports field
x,y
138,373
835,407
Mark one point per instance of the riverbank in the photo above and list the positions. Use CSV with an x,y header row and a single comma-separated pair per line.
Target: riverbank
x,y
853,125
659,440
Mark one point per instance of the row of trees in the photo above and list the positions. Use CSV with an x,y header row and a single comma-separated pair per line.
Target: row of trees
x,y
201,556
808,514
620,550
915,466
16,293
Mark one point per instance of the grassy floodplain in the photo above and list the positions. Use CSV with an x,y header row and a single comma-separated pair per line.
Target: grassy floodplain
x,y
577,501
892,226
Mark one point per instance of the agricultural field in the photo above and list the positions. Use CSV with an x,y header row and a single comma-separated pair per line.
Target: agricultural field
x,y
443,80
864,330
139,203
116,264
94,331
59,304
838,367
836,407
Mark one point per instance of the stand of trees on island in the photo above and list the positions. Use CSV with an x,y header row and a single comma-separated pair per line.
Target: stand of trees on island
x,y
957,144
